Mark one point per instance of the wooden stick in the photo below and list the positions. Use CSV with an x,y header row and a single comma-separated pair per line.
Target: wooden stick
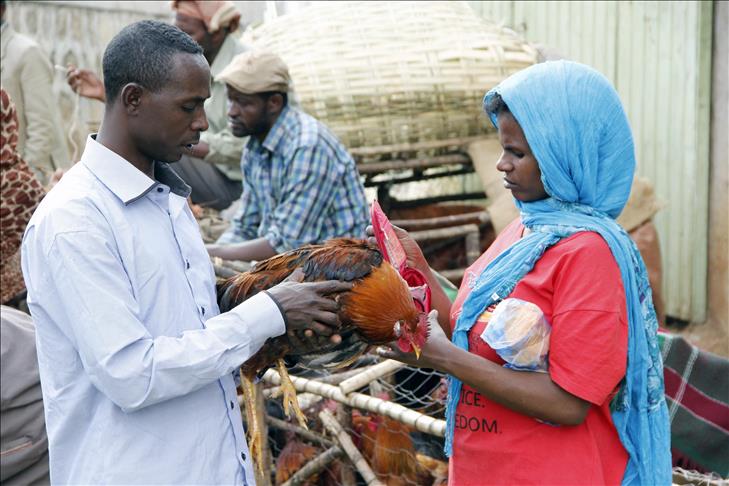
x,y
414,203
345,442
374,180
363,379
306,434
315,466
453,274
414,224
346,472
414,419
229,268
405,147
473,247
224,272
435,234
422,163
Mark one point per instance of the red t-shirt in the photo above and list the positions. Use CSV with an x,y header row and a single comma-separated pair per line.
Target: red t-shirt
x,y
577,285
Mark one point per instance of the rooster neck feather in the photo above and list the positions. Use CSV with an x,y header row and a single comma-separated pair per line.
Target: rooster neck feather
x,y
376,303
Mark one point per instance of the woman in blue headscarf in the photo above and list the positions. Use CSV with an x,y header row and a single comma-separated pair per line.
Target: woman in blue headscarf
x,y
598,415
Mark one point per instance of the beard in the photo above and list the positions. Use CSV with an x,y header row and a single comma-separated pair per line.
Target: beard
x,y
260,126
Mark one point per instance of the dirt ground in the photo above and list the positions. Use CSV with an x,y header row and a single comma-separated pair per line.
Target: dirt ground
x,y
709,336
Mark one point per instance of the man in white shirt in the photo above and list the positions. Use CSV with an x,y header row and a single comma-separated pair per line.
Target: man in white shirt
x,y
136,362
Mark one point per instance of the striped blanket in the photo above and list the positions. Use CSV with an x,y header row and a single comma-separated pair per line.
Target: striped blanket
x,y
697,392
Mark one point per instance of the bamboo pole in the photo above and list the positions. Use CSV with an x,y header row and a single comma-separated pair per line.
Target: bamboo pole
x,y
315,466
229,268
415,224
407,147
374,372
434,234
333,379
414,203
473,247
417,420
422,163
453,274
344,417
345,442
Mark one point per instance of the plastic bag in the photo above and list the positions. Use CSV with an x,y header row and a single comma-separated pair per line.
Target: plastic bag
x,y
519,333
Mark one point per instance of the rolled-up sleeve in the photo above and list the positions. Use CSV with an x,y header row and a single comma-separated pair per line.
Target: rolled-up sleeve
x,y
126,363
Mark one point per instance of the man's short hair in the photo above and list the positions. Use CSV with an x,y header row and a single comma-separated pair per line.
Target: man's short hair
x,y
142,53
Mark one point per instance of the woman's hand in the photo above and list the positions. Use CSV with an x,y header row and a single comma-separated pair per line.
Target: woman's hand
x,y
431,355
415,257
85,82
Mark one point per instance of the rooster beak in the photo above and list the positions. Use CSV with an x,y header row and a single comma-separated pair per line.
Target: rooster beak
x,y
416,348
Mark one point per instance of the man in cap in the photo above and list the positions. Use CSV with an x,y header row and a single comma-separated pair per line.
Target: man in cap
x,y
300,185
212,168
135,359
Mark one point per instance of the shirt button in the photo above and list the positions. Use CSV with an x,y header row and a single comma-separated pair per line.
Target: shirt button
x,y
187,263
231,404
243,455
159,189
202,309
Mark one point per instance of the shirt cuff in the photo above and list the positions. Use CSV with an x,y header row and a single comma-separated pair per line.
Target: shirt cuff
x,y
263,317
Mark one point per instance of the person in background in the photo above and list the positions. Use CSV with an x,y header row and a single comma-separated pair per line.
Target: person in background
x,y
300,185
596,413
23,440
212,167
136,361
27,77
20,194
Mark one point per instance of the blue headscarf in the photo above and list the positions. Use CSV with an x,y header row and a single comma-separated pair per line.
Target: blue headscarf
x,y
578,132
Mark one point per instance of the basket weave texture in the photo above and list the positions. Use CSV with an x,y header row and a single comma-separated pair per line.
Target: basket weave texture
x,y
385,74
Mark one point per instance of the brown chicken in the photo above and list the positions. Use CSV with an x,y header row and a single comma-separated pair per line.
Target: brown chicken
x,y
292,458
379,309
388,448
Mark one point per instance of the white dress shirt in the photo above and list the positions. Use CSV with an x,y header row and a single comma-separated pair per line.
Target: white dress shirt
x,y
136,361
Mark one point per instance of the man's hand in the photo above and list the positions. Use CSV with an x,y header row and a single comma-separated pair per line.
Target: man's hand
x,y
85,82
311,317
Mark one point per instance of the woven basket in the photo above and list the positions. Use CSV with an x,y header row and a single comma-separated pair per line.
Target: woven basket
x,y
393,75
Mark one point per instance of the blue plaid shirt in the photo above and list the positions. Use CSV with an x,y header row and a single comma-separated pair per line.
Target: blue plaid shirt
x,y
300,186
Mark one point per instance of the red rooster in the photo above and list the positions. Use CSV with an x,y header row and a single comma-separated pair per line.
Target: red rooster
x,y
379,309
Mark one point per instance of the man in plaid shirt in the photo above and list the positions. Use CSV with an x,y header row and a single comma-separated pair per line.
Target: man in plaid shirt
x,y
300,185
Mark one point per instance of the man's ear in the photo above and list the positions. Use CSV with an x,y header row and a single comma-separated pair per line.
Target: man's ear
x,y
275,103
131,97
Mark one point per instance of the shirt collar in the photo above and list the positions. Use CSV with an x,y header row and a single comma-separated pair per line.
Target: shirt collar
x,y
278,131
123,179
